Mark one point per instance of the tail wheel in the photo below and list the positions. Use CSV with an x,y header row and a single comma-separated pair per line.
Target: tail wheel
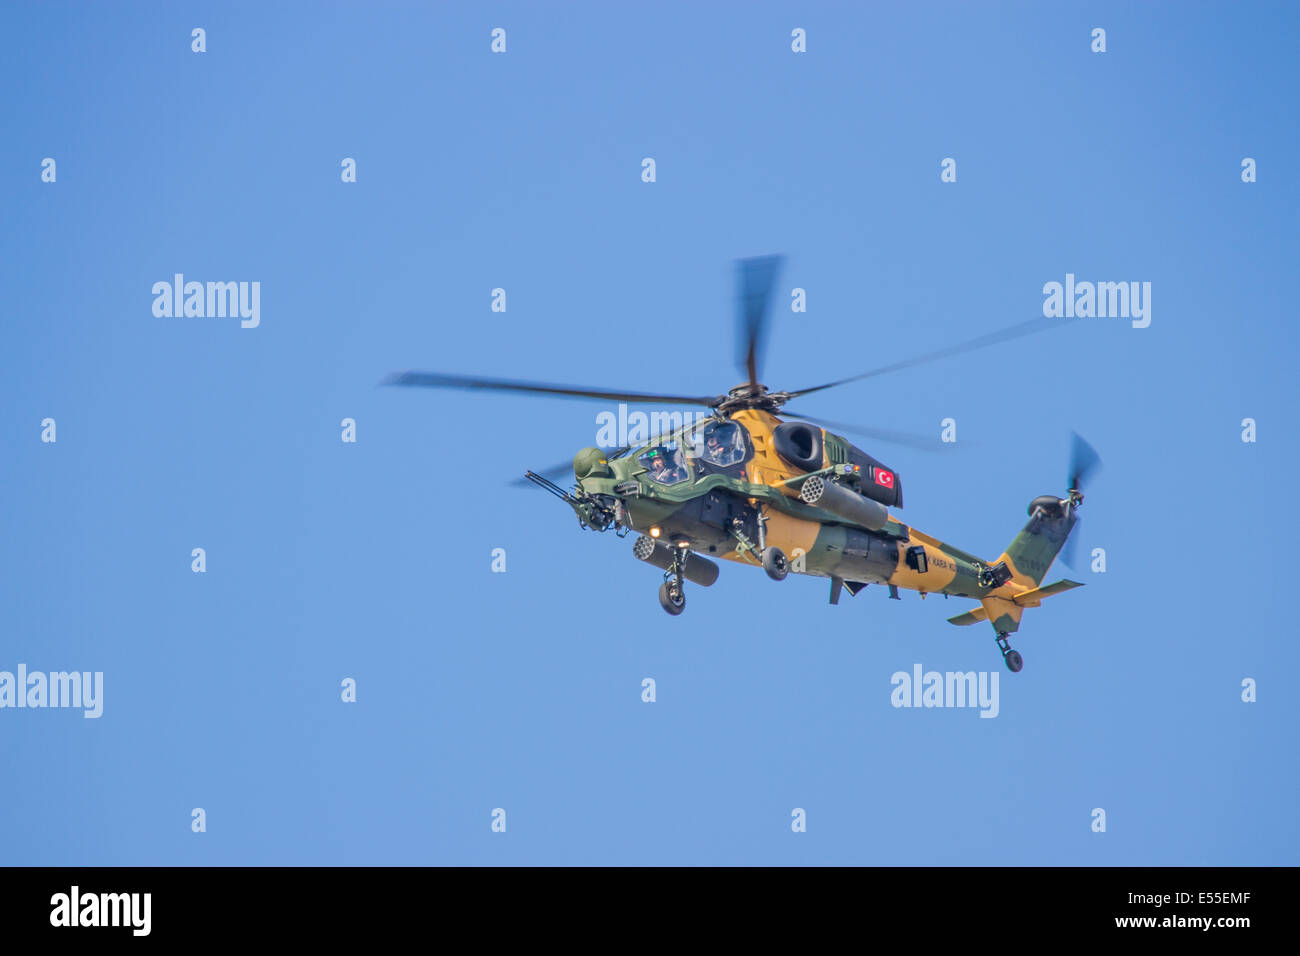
x,y
672,598
1012,658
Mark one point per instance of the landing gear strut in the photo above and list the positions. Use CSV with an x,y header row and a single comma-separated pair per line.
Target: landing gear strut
x,y
672,596
1012,658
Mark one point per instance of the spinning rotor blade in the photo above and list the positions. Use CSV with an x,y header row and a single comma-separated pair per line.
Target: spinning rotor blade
x,y
755,280
438,380
1084,461
1070,553
906,439
992,338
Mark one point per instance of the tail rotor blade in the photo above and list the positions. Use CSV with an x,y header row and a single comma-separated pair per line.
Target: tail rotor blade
x,y
1070,553
1084,461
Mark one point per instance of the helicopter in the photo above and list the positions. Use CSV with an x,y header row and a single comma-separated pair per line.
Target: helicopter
x,y
744,484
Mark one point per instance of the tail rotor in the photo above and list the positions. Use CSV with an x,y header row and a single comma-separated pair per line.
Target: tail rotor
x,y
1084,464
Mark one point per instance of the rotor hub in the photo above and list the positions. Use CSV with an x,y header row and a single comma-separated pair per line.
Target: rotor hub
x,y
751,395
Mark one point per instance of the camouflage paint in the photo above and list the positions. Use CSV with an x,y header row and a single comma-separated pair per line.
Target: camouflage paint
x,y
701,510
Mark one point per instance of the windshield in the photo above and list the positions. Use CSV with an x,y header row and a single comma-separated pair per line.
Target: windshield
x,y
722,444
664,463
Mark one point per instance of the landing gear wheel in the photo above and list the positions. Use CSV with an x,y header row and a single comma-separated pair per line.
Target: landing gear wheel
x,y
775,564
1012,658
672,598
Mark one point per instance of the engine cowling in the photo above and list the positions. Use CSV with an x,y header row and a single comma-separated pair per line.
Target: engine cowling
x,y
1050,505
800,444
809,448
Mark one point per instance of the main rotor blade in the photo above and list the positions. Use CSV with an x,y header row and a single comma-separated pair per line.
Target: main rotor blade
x,y
906,439
992,338
755,279
438,380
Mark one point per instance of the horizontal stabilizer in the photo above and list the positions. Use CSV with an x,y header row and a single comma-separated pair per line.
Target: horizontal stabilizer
x,y
1034,597
970,617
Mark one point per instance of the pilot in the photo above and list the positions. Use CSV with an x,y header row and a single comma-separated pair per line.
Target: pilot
x,y
715,451
672,471
663,470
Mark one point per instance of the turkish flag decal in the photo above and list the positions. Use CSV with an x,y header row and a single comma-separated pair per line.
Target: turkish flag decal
x,y
885,479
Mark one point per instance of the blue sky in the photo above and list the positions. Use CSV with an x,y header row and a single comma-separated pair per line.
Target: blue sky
x,y
522,690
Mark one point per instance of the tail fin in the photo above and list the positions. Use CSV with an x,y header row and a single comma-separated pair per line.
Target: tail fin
x,y
1038,543
1028,558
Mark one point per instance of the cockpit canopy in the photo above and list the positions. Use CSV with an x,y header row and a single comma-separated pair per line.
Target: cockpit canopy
x,y
720,446
721,443
711,447
664,463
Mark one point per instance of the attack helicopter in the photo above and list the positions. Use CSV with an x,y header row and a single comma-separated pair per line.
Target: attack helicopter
x,y
746,485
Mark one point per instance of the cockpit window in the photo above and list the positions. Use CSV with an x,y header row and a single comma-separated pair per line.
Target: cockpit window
x,y
664,464
722,444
